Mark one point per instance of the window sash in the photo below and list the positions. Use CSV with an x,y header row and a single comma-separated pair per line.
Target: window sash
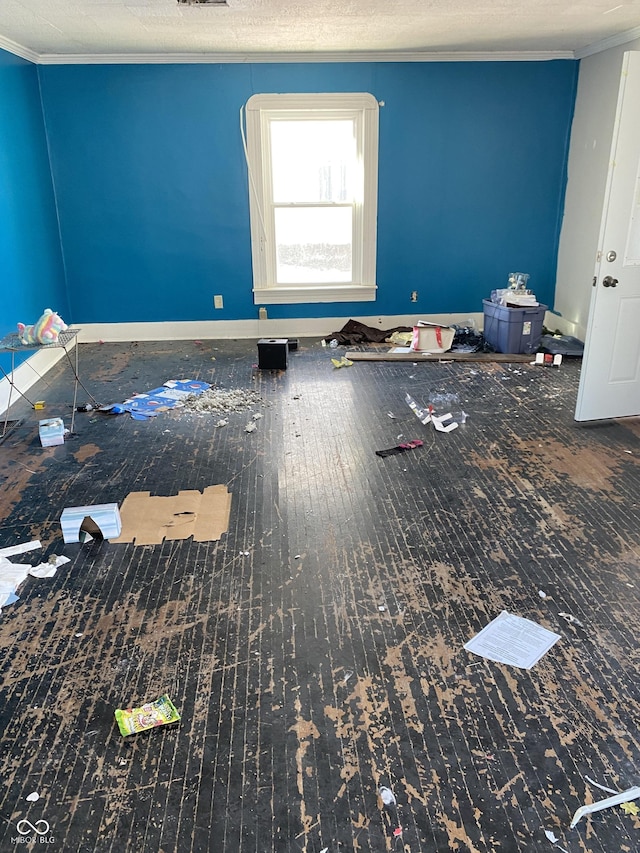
x,y
362,111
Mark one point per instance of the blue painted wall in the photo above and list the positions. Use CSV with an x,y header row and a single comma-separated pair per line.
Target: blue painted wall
x,y
152,192
31,271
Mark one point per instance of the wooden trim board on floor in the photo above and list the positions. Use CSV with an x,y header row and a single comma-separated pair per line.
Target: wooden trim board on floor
x,y
445,356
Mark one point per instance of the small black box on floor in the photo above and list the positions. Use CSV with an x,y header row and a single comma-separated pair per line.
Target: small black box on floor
x,y
272,353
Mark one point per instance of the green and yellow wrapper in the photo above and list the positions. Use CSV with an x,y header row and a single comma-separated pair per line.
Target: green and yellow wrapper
x,y
158,713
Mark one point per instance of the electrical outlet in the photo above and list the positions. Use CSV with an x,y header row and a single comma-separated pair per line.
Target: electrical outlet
x,y
414,295
262,313
218,302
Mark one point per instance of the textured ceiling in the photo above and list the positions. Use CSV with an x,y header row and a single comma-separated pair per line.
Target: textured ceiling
x,y
50,29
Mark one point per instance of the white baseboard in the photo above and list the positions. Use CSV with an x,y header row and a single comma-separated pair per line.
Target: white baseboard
x,y
304,327
28,373
555,322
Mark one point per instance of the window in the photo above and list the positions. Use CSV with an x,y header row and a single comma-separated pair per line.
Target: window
x,y
313,184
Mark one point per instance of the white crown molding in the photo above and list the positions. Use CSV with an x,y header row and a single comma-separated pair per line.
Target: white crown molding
x,y
302,58
311,57
18,49
605,44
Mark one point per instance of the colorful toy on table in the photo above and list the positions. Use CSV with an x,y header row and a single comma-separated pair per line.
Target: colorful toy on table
x,y
44,331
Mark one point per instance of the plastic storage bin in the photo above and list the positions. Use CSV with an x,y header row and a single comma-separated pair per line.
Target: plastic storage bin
x,y
513,330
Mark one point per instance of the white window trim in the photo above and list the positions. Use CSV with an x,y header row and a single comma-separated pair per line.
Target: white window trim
x,y
259,110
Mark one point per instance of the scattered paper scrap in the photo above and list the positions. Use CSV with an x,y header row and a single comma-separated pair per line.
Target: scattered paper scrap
x,y
151,714
571,619
20,549
512,640
427,415
617,800
554,840
13,574
33,797
440,422
48,570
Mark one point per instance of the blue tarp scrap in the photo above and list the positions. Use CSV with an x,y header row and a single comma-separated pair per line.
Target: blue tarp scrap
x,y
141,407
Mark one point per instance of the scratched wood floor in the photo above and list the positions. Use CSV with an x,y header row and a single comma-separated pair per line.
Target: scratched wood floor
x,y
316,651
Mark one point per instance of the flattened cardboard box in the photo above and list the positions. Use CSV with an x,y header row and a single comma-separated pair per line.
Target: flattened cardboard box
x,y
148,520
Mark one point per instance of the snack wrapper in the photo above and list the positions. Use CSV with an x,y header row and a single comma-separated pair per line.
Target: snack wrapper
x,y
151,714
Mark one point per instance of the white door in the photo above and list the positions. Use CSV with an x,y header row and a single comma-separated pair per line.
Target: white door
x,y
610,375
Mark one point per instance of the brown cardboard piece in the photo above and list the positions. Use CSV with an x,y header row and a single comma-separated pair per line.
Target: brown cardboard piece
x,y
148,520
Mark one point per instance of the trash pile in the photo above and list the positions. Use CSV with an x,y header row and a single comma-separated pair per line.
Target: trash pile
x,y
218,401
469,339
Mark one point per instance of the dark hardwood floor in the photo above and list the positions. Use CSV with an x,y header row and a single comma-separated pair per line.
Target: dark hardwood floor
x,y
315,652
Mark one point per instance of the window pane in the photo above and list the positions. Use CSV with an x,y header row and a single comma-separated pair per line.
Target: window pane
x,y
312,160
313,245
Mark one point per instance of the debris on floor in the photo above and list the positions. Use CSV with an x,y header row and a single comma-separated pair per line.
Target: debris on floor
x,y
341,362
553,838
512,640
222,401
571,619
442,423
387,796
148,716
173,393
48,569
12,575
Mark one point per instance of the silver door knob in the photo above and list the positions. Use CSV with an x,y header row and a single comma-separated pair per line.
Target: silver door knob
x,y
609,281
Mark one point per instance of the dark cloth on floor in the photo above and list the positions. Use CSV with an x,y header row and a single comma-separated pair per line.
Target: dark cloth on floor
x,y
400,448
354,332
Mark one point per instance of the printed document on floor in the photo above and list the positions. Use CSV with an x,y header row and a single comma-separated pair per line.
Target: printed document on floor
x,y
513,640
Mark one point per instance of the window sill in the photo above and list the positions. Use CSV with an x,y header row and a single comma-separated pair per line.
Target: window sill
x,y
310,293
